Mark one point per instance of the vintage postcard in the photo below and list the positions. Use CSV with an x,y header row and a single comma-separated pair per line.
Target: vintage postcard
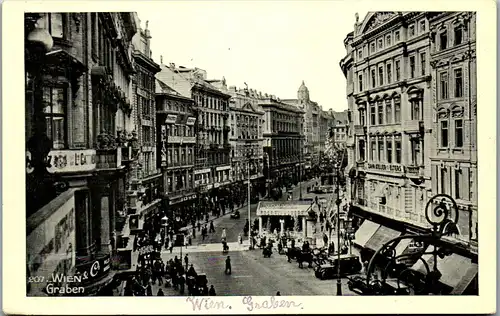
x,y
223,157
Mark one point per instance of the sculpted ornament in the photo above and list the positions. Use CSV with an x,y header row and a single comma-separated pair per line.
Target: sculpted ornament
x,y
380,18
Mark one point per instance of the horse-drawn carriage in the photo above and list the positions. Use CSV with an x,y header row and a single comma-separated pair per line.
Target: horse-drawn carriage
x,y
301,256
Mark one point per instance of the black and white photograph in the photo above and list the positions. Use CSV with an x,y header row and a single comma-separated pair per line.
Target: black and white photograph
x,y
204,151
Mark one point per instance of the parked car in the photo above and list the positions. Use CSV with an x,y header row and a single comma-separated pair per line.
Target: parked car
x,y
349,264
358,285
235,214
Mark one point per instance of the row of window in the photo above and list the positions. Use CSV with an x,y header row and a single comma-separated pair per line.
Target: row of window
x,y
387,111
178,182
146,107
177,107
458,84
181,130
392,38
180,155
382,74
444,38
382,149
148,137
446,127
211,102
453,181
287,127
212,119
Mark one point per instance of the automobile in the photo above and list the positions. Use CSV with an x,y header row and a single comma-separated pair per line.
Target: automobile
x,y
349,264
235,214
319,190
358,285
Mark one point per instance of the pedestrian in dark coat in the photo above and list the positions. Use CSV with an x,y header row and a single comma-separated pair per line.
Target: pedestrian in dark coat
x,y
228,265
160,293
211,292
149,290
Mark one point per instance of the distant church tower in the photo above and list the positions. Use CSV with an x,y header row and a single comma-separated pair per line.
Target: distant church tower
x,y
303,94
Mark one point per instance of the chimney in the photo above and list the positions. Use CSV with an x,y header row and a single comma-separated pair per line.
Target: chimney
x,y
161,60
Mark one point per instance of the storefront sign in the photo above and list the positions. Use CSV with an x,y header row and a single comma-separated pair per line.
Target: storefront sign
x,y
183,199
200,171
223,168
385,167
171,119
62,161
190,121
94,269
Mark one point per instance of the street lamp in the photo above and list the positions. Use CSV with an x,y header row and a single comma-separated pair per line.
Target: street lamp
x,y
338,202
442,213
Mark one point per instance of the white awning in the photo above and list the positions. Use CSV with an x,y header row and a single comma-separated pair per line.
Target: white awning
x,y
365,232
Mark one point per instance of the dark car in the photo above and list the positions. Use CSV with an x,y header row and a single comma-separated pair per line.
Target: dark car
x,y
235,214
349,264
358,285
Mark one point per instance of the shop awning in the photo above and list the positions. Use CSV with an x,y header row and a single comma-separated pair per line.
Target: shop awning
x,y
402,246
365,232
457,271
381,236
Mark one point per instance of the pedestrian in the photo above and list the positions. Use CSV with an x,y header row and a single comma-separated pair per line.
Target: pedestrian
x,y
171,246
212,228
182,283
149,290
190,241
228,265
278,293
160,293
240,239
211,292
186,241
186,261
199,226
194,232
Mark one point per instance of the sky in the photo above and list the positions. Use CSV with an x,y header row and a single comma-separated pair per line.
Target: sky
x,y
272,46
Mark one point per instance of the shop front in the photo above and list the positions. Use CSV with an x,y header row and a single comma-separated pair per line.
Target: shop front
x,y
180,209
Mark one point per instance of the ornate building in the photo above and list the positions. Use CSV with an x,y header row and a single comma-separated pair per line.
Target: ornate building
x,y
395,164
146,185
213,165
176,123
313,143
78,116
454,125
283,142
246,136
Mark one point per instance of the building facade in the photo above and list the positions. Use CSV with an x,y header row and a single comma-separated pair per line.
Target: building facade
x,y
176,123
246,137
78,125
283,143
314,142
146,183
339,128
453,159
213,165
411,133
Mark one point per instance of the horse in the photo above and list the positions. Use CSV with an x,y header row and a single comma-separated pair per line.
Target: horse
x,y
305,257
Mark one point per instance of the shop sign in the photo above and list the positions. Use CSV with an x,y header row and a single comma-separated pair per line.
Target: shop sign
x,y
385,167
94,269
62,161
223,168
283,209
171,119
190,121
184,199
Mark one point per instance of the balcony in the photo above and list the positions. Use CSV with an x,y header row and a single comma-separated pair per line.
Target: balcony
x,y
181,140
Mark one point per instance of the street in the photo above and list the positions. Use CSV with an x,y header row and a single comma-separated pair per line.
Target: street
x,y
252,274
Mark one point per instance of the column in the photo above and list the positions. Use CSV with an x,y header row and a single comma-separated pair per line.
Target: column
x,y
104,224
260,225
304,227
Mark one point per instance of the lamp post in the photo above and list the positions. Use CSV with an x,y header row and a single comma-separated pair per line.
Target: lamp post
x,y
249,206
441,212
300,173
338,202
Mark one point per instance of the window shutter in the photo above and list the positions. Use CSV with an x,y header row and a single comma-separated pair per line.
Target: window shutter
x,y
465,185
